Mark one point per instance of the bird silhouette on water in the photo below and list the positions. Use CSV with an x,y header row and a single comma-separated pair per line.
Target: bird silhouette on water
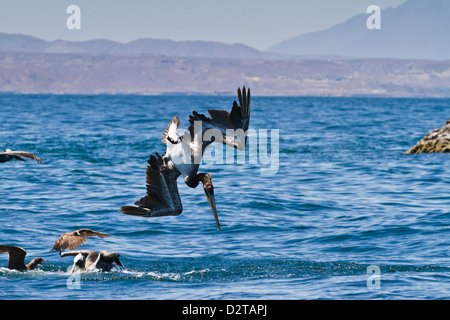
x,y
16,259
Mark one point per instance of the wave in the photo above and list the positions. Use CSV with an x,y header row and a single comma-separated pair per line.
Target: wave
x,y
218,269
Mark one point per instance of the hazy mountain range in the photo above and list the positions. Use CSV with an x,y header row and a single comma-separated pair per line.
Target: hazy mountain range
x,y
416,29
210,49
334,62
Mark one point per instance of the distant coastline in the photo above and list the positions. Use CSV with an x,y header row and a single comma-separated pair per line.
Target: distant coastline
x,y
155,67
147,74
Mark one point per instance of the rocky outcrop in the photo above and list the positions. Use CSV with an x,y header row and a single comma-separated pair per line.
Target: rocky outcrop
x,y
437,140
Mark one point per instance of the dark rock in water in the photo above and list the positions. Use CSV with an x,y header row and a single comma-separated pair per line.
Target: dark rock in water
x,y
437,140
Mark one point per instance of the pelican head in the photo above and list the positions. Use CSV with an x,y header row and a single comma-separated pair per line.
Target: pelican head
x,y
38,260
106,260
111,257
33,263
208,187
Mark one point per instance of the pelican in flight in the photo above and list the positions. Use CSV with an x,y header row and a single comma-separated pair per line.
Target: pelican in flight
x,y
91,260
183,157
16,259
75,239
8,155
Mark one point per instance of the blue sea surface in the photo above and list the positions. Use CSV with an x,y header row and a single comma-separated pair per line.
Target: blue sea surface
x,y
345,197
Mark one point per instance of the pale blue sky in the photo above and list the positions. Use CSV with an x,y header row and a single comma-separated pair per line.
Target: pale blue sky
x,y
258,23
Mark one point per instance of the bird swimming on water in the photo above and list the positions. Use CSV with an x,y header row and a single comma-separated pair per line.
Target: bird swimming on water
x,y
9,154
183,157
91,260
75,239
16,259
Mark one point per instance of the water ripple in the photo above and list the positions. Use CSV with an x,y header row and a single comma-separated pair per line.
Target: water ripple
x,y
345,197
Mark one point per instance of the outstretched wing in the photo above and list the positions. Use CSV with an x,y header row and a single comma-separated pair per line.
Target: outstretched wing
x,y
68,240
16,256
92,233
19,154
235,122
75,239
76,252
162,197
171,132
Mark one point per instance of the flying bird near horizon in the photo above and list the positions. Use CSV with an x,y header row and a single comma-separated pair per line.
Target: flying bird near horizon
x,y
75,239
183,157
16,259
9,154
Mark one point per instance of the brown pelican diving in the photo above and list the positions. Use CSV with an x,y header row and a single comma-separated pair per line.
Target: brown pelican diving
x,y
91,260
75,239
16,259
8,155
183,157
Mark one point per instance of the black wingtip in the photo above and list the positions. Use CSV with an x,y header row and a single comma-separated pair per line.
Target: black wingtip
x,y
239,93
134,211
155,161
244,99
248,101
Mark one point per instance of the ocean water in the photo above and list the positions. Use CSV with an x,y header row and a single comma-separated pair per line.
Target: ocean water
x,y
344,198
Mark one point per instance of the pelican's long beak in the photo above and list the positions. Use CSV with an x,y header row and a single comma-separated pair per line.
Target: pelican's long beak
x,y
117,261
210,195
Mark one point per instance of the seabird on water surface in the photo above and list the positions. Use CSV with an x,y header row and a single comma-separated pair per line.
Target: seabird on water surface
x,y
91,260
16,259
